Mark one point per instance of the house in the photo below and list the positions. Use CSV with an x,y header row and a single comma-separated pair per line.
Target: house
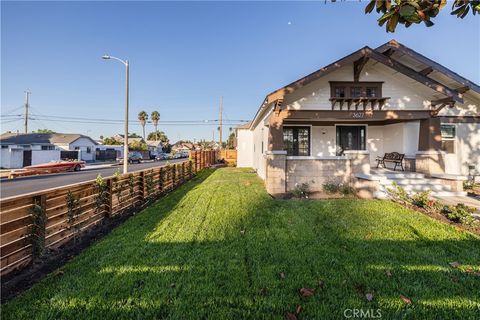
x,y
75,142
333,123
20,150
131,138
155,146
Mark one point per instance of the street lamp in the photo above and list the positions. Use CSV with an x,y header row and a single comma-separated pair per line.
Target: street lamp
x,y
125,141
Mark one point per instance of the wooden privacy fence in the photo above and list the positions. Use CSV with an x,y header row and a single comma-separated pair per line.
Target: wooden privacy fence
x,y
230,157
35,223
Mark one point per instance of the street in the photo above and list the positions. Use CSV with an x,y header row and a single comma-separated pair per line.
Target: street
x,y
23,185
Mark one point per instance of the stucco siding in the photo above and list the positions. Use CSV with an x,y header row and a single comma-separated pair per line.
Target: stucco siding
x,y
44,156
244,148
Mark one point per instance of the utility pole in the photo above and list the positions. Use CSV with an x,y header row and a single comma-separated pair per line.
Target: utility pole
x,y
27,93
221,107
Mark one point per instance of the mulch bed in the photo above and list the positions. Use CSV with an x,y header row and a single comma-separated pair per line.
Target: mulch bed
x,y
440,217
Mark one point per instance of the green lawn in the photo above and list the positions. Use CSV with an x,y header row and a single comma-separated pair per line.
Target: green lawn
x,y
208,249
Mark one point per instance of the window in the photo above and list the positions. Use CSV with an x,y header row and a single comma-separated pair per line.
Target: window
x,y
448,132
355,92
355,89
340,92
48,147
77,148
89,150
371,92
296,141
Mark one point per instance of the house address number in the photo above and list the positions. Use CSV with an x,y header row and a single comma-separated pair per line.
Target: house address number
x,y
358,115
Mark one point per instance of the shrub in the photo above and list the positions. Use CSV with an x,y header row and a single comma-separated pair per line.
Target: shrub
x,y
459,213
301,190
422,199
345,189
331,187
398,193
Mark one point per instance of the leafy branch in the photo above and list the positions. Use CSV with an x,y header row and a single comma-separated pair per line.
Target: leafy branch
x,y
408,12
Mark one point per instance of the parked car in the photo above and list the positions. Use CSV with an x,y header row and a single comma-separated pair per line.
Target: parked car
x,y
133,157
162,156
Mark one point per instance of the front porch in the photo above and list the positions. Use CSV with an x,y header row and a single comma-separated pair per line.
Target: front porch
x,y
318,147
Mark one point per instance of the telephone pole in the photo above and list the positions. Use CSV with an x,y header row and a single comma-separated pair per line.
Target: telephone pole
x,y
221,107
27,93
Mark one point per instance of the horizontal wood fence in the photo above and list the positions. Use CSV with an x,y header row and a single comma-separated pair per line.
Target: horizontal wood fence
x,y
230,157
33,224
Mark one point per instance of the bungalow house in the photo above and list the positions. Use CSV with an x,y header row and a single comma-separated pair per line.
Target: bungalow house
x,y
155,146
332,124
75,142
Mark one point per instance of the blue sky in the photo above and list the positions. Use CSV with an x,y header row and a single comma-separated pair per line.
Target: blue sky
x,y
185,55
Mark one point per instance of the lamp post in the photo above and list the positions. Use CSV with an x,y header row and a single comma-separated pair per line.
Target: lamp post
x,y
125,140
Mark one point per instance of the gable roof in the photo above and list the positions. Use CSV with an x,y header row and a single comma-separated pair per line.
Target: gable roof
x,y
42,138
388,54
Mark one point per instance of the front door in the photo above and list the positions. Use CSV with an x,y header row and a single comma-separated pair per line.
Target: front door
x,y
350,138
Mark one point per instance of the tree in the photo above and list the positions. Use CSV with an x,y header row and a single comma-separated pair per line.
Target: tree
x,y
137,146
417,11
231,141
44,131
111,141
143,117
155,118
134,135
157,136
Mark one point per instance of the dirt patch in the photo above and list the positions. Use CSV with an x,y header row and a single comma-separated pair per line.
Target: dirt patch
x,y
17,282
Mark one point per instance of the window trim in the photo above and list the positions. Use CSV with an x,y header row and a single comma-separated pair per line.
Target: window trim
x,y
453,140
348,85
309,126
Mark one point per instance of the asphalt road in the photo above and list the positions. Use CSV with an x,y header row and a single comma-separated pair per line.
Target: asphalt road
x,y
23,185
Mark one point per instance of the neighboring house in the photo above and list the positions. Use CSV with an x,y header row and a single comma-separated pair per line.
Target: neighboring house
x,y
75,142
184,147
334,122
38,148
120,138
21,150
155,146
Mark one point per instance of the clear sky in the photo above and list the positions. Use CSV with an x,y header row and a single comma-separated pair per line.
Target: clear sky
x,y
185,55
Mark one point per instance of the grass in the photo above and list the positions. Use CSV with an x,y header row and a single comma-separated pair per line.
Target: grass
x,y
208,249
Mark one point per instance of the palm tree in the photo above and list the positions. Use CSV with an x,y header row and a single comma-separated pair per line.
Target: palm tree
x,y
155,118
143,117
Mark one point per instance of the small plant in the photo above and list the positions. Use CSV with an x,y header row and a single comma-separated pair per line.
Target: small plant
x,y
331,187
398,193
301,190
470,184
101,196
460,213
73,207
190,168
37,234
149,182
422,199
346,189
131,184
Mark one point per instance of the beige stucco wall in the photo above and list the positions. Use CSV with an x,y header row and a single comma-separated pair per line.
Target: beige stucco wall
x,y
467,149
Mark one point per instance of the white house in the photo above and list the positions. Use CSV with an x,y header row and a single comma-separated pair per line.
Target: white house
x,y
20,150
336,121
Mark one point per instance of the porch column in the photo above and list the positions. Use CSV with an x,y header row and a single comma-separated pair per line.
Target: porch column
x,y
430,158
276,157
